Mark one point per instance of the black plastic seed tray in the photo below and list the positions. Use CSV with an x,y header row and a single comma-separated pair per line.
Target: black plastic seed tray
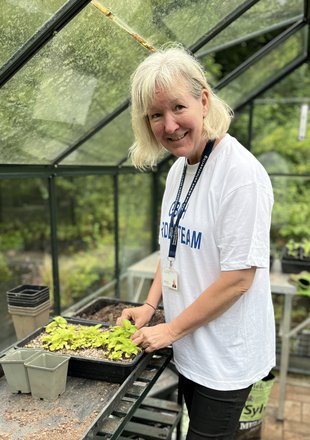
x,y
92,311
89,312
109,371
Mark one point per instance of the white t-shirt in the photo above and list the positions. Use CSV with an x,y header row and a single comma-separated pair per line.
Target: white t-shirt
x,y
225,227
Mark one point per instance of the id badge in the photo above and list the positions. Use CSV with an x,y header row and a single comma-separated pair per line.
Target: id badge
x,y
170,279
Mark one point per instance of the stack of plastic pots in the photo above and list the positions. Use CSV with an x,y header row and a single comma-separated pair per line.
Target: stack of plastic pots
x,y
29,307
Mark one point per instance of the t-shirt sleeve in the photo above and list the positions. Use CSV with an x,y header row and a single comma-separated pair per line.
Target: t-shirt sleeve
x,y
243,228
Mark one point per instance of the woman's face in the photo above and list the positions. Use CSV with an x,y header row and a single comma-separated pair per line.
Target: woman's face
x,y
176,120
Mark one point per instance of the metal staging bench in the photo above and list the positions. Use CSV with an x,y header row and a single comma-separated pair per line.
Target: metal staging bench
x,y
91,409
280,285
155,419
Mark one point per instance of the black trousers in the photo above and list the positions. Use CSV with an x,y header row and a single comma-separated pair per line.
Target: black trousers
x,y
212,414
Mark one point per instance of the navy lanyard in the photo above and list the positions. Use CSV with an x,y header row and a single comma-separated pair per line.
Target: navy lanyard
x,y
173,227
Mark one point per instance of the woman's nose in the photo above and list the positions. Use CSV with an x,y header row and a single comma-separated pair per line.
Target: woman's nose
x,y
170,124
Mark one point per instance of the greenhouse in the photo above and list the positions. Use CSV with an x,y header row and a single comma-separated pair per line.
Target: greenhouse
x,y
78,217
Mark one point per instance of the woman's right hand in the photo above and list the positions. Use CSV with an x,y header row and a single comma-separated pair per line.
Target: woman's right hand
x,y
139,315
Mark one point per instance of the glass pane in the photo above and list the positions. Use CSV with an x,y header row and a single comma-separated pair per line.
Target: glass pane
x,y
184,21
280,127
238,90
85,236
239,127
263,16
291,212
107,147
70,85
24,241
278,145
20,19
135,200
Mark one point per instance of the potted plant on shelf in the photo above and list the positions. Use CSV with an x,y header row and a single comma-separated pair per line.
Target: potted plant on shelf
x,y
296,256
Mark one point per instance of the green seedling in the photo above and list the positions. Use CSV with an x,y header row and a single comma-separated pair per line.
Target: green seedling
x,y
293,248
115,341
306,248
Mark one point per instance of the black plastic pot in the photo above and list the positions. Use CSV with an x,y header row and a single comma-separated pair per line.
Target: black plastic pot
x,y
27,295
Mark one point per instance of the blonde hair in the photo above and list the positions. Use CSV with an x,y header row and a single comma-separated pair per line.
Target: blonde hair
x,y
162,69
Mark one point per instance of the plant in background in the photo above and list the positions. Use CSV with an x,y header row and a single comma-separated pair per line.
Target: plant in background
x,y
296,256
292,248
306,248
298,249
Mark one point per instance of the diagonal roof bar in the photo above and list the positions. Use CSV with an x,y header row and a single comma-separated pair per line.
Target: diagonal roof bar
x,y
92,131
221,25
217,29
287,70
120,108
261,53
40,38
228,19
250,36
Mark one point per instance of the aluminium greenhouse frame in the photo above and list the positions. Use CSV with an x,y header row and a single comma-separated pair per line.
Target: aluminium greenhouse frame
x,y
56,168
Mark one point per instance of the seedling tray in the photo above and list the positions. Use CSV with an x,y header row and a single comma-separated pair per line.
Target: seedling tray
x,y
292,265
99,303
106,370
89,313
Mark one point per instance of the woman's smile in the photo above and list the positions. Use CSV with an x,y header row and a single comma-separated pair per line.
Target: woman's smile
x,y
177,137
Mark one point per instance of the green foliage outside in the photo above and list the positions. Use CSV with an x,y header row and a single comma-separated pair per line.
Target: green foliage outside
x,y
276,144
298,249
5,271
85,229
80,274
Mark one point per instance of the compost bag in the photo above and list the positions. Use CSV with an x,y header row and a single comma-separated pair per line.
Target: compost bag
x,y
250,423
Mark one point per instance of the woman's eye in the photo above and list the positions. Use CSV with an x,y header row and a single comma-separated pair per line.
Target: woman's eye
x,y
154,116
179,107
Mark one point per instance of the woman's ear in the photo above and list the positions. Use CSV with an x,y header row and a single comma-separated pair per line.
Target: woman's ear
x,y
205,102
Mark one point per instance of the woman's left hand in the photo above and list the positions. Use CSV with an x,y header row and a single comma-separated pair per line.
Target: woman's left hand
x,y
153,338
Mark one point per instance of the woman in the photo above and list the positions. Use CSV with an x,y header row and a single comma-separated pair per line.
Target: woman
x,y
213,275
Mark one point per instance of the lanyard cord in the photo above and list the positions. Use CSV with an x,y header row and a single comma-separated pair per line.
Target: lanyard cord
x,y
173,227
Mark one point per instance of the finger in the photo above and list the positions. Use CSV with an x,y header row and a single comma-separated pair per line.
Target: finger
x,y
139,323
139,341
125,315
119,321
150,349
137,338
